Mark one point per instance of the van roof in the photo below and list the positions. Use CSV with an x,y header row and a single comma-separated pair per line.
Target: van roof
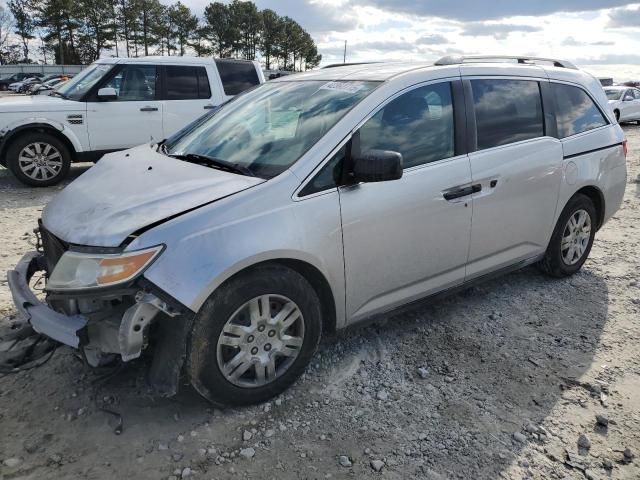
x,y
384,71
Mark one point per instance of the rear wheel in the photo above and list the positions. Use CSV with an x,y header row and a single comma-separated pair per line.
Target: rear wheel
x,y
38,159
572,238
617,114
254,336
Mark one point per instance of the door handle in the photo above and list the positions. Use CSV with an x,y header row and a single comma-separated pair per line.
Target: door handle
x,y
210,107
457,192
149,109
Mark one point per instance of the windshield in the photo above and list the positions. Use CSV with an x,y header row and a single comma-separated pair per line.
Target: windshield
x,y
82,83
269,128
613,94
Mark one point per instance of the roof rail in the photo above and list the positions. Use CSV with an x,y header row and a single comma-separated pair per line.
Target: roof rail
x,y
457,60
334,65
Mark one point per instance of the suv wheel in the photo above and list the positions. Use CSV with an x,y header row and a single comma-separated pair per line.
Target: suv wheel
x,y
38,159
572,238
254,336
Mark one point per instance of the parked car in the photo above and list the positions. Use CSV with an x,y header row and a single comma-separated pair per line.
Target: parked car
x,y
316,201
114,104
25,85
625,103
51,90
16,86
13,78
47,85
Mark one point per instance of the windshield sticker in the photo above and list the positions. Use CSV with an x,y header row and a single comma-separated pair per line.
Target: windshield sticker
x,y
284,124
349,87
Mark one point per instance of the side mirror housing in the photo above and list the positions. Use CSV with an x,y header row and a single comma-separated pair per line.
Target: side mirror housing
x,y
108,94
377,166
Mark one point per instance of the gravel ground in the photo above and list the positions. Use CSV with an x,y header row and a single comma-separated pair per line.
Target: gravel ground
x,y
504,380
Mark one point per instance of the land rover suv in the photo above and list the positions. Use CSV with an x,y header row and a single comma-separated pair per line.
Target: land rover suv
x,y
316,201
114,104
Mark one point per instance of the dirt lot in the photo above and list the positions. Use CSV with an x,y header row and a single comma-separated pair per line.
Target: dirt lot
x,y
499,381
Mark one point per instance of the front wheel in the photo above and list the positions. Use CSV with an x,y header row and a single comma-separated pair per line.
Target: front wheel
x,y
38,159
254,336
572,238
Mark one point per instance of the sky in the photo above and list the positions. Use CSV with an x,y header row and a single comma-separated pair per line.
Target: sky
x,y
600,36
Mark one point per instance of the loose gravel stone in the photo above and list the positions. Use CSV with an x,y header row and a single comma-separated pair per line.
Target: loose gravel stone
x,y
248,452
344,461
519,437
584,442
377,465
602,420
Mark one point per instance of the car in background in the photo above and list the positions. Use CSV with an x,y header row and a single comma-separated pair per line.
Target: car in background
x,y
625,103
47,85
7,80
113,104
15,86
27,84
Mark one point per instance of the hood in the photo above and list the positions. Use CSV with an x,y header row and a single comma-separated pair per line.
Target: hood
x,y
43,104
132,189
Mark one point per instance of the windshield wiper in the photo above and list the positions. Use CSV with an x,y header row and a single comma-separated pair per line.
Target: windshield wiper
x,y
215,163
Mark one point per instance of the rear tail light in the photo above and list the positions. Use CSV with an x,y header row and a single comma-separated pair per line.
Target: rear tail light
x,y
625,148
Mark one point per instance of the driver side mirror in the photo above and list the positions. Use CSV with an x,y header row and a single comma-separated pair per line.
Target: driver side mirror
x,y
377,166
107,93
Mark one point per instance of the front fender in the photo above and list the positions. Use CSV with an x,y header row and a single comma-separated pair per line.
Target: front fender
x,y
23,124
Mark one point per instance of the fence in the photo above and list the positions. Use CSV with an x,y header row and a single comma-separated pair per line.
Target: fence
x,y
44,69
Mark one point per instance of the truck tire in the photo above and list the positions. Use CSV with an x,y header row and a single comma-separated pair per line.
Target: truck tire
x,y
38,159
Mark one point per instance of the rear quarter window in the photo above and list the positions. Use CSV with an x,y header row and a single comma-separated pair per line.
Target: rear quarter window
x,y
237,76
576,112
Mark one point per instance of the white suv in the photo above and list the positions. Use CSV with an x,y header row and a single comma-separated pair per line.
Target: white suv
x,y
114,104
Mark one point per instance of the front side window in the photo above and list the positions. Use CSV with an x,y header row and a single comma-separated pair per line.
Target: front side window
x,y
134,83
418,124
507,111
187,83
268,129
237,76
79,85
576,112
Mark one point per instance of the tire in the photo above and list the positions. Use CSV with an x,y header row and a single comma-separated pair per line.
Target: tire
x,y
617,114
4,87
44,170
227,349
559,262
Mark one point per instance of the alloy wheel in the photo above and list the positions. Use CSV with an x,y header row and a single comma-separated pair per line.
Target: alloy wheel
x,y
40,161
260,341
576,236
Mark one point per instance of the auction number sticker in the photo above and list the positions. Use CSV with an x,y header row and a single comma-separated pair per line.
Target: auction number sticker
x,y
350,87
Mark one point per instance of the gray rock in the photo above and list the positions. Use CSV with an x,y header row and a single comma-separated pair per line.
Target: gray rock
x,y
584,442
590,475
246,435
531,428
186,472
247,452
177,456
377,465
382,395
423,372
344,461
602,420
628,454
607,463
11,462
519,437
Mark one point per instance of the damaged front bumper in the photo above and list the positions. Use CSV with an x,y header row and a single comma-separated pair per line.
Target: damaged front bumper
x,y
67,329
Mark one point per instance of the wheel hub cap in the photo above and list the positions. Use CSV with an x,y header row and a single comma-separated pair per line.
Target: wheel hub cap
x,y
260,341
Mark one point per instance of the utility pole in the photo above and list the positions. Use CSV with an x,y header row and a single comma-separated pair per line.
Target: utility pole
x,y
344,56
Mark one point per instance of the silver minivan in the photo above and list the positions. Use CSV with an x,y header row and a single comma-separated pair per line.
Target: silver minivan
x,y
318,200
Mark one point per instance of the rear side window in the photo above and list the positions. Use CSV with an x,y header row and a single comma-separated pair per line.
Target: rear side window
x,y
576,112
187,83
636,94
237,76
507,111
418,124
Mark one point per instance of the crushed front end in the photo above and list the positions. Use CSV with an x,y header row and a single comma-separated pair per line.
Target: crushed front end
x,y
97,301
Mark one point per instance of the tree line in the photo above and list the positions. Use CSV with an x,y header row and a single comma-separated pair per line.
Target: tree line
x,y
81,31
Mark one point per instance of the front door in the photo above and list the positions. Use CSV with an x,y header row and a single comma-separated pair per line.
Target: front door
x,y
517,170
134,118
403,239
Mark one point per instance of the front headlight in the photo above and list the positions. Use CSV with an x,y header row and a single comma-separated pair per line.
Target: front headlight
x,y
77,270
